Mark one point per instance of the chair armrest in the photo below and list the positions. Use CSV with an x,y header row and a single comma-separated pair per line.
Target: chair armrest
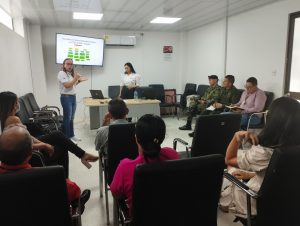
x,y
188,99
49,107
186,144
43,112
240,184
256,113
46,121
193,95
76,217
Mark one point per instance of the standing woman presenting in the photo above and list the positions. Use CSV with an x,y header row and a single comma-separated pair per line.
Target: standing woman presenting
x,y
129,81
68,80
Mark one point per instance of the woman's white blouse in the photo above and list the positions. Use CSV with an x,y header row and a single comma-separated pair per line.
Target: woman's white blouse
x,y
63,77
130,80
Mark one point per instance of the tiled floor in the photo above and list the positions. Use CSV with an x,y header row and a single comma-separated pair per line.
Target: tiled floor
x,y
95,214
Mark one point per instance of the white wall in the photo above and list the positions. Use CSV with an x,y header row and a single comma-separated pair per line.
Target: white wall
x,y
256,47
146,57
205,52
15,72
37,64
257,44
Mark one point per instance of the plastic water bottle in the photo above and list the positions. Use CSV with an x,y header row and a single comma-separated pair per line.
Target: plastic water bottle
x,y
135,95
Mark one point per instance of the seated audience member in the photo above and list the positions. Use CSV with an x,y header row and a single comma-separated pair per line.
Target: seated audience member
x,y
252,100
282,129
117,111
229,95
15,152
53,146
150,133
198,106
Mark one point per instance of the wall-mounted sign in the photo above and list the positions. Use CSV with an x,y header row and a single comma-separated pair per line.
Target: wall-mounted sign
x,y
168,49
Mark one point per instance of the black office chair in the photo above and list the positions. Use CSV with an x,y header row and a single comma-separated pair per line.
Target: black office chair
x,y
190,89
121,144
53,111
165,100
35,112
269,100
178,193
212,135
201,90
38,123
278,198
113,91
145,92
35,197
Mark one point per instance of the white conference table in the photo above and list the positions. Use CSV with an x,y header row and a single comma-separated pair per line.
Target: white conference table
x,y
136,107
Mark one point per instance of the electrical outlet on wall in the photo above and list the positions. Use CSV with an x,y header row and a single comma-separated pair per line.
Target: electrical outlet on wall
x,y
274,73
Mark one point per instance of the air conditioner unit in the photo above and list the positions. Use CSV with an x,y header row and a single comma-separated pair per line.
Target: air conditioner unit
x,y
118,40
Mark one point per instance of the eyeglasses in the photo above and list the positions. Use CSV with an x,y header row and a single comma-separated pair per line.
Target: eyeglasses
x,y
248,87
69,63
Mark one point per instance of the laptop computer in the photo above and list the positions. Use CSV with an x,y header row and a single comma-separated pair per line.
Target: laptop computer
x,y
96,94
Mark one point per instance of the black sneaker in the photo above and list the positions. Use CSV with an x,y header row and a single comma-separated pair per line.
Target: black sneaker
x,y
84,197
191,134
185,127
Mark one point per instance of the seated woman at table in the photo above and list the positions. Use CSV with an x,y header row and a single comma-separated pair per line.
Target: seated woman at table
x,y
129,81
150,133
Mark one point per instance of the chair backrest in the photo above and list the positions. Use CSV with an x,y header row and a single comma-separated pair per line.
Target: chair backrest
x,y
213,133
146,92
113,91
190,89
201,89
32,101
121,144
239,93
279,196
177,193
22,114
170,96
34,197
159,91
270,97
27,105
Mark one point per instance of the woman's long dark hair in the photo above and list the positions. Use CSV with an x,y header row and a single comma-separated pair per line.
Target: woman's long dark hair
x,y
130,66
64,69
7,103
282,124
150,132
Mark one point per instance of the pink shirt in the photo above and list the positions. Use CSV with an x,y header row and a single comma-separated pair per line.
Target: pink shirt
x,y
252,102
122,183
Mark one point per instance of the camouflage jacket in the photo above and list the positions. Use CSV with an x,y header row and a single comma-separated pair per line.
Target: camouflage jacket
x,y
212,94
229,96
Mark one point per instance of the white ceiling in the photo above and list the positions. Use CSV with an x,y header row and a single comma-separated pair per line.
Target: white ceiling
x,y
133,14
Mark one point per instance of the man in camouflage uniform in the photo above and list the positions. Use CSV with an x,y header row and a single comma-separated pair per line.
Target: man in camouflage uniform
x,y
229,95
198,106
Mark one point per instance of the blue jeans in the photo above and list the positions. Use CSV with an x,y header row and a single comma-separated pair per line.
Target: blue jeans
x,y
68,103
255,120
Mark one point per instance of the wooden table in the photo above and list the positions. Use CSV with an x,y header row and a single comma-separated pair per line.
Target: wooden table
x,y
137,108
